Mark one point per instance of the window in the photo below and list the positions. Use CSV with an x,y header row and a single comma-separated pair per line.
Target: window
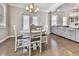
x,y
26,25
54,20
35,20
2,15
26,22
64,21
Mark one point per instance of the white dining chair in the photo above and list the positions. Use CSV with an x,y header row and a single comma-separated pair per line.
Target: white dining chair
x,y
32,40
35,40
20,40
45,35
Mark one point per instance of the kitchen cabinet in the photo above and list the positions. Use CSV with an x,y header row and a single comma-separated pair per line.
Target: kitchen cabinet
x,y
54,29
63,31
77,35
60,31
70,33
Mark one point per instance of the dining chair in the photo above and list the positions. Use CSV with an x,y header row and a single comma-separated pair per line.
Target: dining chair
x,y
20,40
32,40
35,40
45,35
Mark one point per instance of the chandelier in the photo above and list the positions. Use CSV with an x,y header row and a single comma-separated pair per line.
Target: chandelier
x,y
75,9
32,8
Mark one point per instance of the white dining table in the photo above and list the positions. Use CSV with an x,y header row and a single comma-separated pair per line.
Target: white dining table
x,y
28,31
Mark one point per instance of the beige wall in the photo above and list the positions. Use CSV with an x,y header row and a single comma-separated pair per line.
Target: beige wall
x,y
15,18
43,16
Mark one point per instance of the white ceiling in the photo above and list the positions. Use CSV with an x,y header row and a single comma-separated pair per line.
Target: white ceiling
x,y
67,8
42,6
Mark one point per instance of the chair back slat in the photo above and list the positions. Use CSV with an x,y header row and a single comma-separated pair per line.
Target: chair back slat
x,y
15,32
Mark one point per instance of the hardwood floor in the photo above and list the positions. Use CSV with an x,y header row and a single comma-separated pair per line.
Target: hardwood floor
x,y
57,46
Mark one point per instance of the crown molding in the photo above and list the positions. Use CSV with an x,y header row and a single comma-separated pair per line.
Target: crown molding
x,y
52,8
20,6
55,6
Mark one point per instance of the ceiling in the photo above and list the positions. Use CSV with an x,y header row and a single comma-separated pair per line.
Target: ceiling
x,y
42,6
67,8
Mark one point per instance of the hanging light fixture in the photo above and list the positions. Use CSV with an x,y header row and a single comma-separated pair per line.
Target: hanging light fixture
x,y
75,9
32,8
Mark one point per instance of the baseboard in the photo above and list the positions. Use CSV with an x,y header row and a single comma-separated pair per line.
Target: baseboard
x,y
4,39
10,36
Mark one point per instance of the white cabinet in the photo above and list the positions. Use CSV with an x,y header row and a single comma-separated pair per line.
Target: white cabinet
x,y
54,29
60,31
66,32
70,33
77,35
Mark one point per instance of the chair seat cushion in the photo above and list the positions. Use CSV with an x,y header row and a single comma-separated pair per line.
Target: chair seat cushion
x,y
43,34
35,39
23,37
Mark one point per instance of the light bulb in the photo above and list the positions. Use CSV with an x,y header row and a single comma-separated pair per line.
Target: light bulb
x,y
27,8
37,9
30,10
31,6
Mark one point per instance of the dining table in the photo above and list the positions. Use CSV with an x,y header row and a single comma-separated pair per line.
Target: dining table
x,y
26,33
34,30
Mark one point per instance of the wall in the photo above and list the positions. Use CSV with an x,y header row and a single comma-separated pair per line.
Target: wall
x,y
15,18
67,8
3,33
43,16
